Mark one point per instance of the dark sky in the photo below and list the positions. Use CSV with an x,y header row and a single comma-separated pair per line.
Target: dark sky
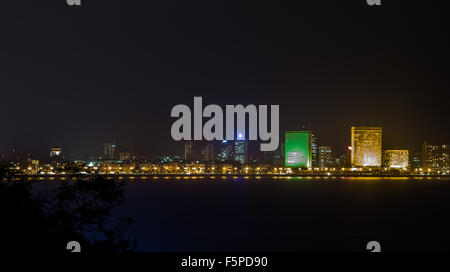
x,y
112,70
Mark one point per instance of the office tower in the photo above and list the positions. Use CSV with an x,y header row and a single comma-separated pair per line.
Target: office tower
x,y
55,151
298,149
109,151
436,157
396,158
315,151
366,146
226,151
188,145
208,152
241,151
324,157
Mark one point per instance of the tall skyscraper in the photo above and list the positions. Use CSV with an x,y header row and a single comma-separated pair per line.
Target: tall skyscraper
x,y
298,149
315,151
109,151
396,158
324,158
366,146
436,157
226,151
241,151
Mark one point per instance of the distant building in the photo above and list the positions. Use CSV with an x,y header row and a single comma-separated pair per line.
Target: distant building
x,y
208,152
14,155
192,151
278,155
109,151
55,151
56,155
188,146
226,151
34,165
436,157
344,160
298,149
126,156
366,146
315,151
396,158
416,160
241,151
324,157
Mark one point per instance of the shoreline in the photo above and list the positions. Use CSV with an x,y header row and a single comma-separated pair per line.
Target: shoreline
x,y
220,176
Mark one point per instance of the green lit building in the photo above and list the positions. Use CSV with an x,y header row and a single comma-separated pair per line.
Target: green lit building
x,y
298,149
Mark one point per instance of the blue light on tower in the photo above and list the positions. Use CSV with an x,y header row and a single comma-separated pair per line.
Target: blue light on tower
x,y
240,135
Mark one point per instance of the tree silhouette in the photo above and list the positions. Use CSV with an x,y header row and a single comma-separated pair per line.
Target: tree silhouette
x,y
78,210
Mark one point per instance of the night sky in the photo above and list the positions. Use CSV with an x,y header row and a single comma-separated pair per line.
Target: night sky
x,y
78,77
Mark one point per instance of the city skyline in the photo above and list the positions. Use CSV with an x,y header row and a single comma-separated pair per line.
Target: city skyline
x,y
104,149
298,150
79,89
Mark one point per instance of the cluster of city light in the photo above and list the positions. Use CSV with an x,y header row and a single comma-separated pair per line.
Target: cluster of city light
x,y
108,168
366,157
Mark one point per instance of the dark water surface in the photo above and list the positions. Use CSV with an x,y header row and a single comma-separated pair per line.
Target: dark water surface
x,y
297,214
305,214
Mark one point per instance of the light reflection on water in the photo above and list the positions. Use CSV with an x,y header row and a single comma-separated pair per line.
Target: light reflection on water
x,y
247,178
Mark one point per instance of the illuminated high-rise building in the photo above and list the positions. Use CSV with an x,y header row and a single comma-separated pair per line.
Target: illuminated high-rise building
x,y
436,157
396,158
298,149
315,151
366,146
226,151
324,158
241,151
